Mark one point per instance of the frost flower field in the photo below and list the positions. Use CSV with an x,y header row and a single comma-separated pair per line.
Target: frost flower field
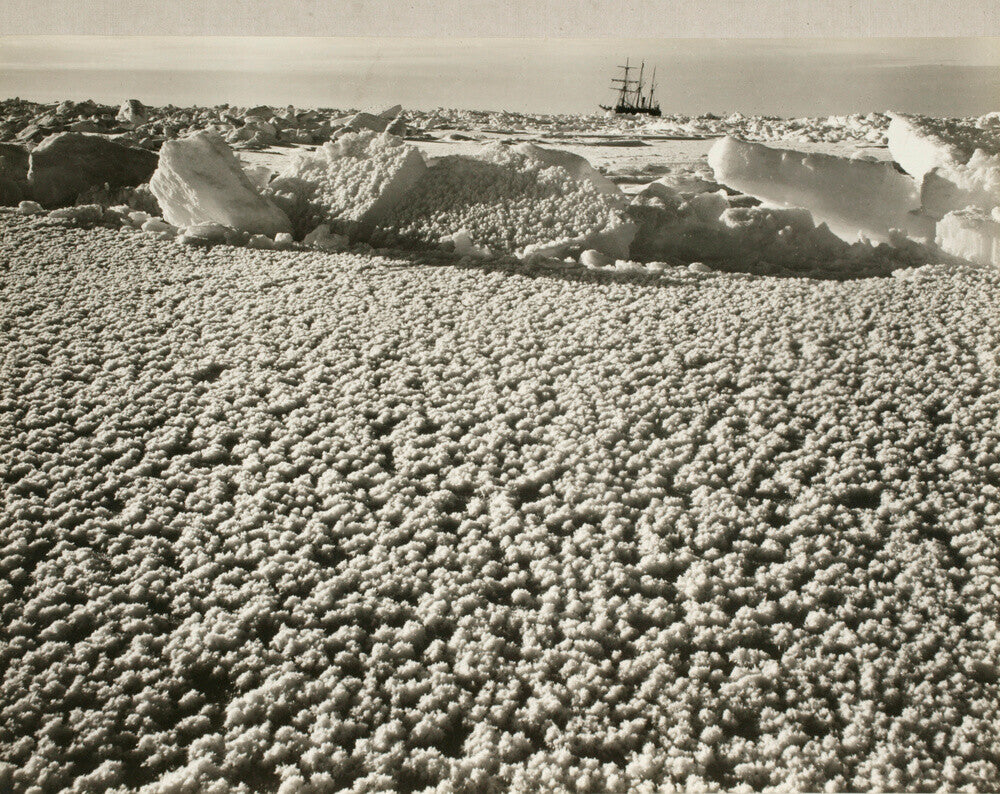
x,y
287,521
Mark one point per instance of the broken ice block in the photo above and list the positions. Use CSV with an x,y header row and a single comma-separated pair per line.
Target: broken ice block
x,y
322,238
464,246
972,234
199,180
974,184
853,197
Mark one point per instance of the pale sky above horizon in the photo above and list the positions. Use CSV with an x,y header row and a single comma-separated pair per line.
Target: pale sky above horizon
x,y
506,18
796,76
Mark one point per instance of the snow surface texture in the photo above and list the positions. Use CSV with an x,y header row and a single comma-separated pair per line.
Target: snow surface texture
x,y
505,200
853,197
321,522
199,180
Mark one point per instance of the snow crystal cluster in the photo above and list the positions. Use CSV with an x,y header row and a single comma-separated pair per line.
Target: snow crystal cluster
x,y
319,522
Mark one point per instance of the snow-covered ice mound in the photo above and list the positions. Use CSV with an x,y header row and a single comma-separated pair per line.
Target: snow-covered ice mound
x,y
851,196
65,166
705,227
356,179
574,164
291,520
504,199
975,183
956,161
14,160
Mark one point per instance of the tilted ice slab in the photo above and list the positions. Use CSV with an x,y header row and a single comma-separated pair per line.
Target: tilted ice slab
x,y
199,180
853,197
972,234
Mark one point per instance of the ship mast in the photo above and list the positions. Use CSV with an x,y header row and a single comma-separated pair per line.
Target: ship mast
x,y
652,85
638,86
623,94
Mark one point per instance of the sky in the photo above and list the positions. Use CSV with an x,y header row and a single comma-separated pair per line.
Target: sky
x,y
785,77
457,19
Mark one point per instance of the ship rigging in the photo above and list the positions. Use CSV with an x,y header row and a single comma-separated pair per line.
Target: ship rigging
x,y
631,100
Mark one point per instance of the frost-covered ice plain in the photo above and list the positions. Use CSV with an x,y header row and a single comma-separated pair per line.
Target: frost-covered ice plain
x,y
436,518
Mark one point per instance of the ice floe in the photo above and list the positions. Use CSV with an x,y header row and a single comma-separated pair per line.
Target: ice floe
x,y
543,203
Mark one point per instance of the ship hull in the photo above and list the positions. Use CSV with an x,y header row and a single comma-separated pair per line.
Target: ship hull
x,y
627,110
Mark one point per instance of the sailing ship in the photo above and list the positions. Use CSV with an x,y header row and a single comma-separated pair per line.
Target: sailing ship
x,y
631,101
